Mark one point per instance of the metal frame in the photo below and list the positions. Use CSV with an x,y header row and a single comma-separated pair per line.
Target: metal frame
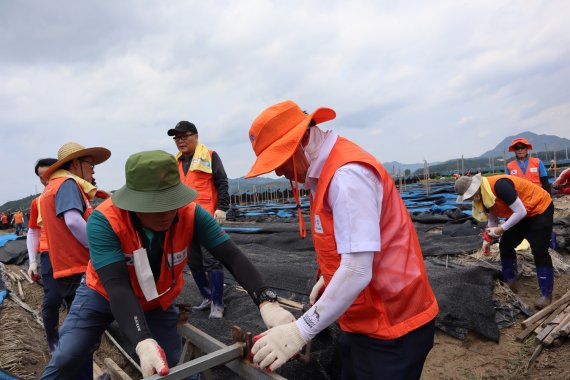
x,y
217,353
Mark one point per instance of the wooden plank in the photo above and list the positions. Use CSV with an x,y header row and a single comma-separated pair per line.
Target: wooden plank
x,y
26,276
21,291
554,318
547,310
290,303
115,371
556,331
97,371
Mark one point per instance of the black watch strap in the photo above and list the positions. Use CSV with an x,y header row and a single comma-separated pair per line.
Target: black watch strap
x,y
266,294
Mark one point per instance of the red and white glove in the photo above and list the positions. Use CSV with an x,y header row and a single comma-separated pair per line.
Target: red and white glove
x,y
495,232
152,358
33,271
277,345
487,240
220,217
274,315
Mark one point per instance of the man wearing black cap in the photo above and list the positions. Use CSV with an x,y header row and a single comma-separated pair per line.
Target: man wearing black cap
x,y
202,169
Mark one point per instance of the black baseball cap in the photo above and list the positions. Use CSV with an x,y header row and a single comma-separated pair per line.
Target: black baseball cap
x,y
183,126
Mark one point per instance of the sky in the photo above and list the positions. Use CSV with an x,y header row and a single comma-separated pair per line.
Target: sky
x,y
409,80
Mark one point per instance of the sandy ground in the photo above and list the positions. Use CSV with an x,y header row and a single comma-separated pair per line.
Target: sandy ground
x,y
24,353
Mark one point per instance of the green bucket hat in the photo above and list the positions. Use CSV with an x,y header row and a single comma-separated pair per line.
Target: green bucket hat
x,y
153,184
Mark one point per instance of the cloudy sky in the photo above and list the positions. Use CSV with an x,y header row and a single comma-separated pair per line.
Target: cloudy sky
x,y
410,80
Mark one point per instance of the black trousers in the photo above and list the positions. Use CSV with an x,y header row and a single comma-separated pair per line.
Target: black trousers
x,y
202,260
537,230
365,358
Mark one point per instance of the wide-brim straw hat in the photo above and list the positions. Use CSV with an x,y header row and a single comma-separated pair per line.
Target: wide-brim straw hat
x,y
153,184
467,186
277,131
72,150
519,140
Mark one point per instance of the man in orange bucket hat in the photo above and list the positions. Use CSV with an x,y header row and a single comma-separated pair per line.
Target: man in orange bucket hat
x,y
373,275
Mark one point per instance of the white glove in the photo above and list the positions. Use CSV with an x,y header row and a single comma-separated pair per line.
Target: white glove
x,y
152,358
316,289
277,345
274,315
495,232
220,217
33,270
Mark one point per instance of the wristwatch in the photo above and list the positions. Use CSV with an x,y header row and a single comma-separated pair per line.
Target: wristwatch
x,y
266,295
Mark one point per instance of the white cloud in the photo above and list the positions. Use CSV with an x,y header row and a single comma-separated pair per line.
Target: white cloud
x,y
409,80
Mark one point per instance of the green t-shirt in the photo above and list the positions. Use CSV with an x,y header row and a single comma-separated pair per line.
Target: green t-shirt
x,y
105,247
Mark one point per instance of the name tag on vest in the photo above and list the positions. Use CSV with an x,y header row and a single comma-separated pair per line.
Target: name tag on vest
x,y
318,225
533,170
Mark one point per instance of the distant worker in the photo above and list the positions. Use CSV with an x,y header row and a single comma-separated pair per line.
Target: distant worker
x,y
202,169
4,220
18,221
527,167
138,242
562,183
40,267
373,274
529,211
64,209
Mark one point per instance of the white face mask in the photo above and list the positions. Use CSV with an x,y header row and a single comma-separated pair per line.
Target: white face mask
x,y
316,138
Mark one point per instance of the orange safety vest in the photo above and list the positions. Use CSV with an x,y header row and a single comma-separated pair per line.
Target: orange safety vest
x,y
181,234
34,224
203,183
67,255
18,218
4,218
532,170
399,298
534,198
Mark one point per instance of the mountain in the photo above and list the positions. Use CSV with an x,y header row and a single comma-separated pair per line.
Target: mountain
x,y
540,143
258,183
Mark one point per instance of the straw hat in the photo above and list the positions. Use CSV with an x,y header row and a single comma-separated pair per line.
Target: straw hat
x,y
519,140
72,150
277,131
467,186
153,184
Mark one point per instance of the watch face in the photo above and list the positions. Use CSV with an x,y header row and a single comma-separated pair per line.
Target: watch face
x,y
270,293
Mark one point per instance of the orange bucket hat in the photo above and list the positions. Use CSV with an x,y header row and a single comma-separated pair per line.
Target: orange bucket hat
x,y
519,140
277,131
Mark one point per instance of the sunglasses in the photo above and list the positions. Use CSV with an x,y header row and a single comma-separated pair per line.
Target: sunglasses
x,y
519,147
182,137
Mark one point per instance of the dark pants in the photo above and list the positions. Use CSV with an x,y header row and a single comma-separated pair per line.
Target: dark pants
x,y
52,302
89,316
365,358
67,286
19,228
202,260
537,230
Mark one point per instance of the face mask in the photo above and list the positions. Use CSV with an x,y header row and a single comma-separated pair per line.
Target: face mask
x,y
313,147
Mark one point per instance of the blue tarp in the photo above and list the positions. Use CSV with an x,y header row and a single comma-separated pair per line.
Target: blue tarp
x,y
6,238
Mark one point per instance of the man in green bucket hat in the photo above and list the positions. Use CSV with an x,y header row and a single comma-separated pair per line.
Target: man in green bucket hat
x,y
138,242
